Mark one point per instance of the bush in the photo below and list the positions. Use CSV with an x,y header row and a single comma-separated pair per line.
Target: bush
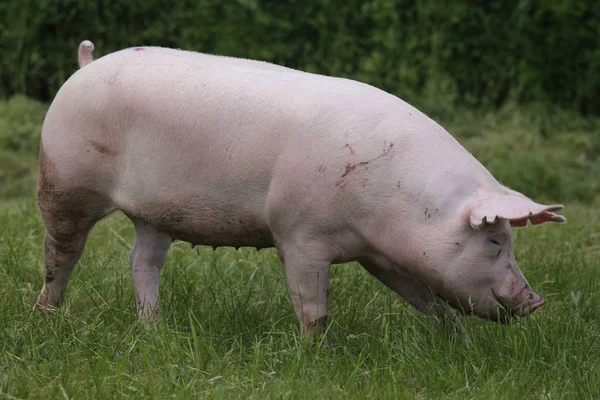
x,y
475,53
552,159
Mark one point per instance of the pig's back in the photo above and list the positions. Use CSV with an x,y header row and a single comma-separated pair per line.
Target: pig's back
x,y
185,79
209,118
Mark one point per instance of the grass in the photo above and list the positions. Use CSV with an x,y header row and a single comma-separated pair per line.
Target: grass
x,y
229,330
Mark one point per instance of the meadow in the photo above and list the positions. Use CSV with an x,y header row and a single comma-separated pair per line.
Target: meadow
x,y
229,330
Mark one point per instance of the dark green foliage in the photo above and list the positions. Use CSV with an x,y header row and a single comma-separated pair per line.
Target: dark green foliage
x,y
20,126
436,54
550,157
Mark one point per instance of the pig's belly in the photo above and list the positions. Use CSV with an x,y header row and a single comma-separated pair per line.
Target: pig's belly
x,y
205,223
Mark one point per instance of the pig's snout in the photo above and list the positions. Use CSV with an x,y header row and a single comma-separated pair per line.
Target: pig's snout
x,y
516,296
525,303
533,302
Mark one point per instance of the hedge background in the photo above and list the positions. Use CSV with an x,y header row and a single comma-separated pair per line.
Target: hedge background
x,y
435,54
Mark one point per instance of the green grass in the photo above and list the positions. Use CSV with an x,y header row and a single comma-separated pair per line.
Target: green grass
x,y
229,330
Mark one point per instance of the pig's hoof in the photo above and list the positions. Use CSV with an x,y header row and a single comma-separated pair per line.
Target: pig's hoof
x,y
315,332
150,316
315,327
44,304
45,308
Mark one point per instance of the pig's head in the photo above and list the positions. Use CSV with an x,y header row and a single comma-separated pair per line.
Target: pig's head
x,y
481,275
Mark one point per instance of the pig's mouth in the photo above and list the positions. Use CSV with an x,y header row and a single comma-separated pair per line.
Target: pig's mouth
x,y
530,306
506,313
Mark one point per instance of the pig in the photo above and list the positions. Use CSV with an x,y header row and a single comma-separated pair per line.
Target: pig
x,y
222,151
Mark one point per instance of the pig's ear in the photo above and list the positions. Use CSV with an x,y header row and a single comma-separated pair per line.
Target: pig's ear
x,y
490,207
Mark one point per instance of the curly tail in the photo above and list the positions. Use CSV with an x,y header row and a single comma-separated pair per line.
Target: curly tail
x,y
85,53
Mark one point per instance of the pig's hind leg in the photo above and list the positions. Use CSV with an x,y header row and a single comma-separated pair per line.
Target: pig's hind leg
x,y
69,213
148,257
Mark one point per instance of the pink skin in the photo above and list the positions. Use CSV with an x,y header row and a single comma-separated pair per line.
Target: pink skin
x,y
230,152
85,53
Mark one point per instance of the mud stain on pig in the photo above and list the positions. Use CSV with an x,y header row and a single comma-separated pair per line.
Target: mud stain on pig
x,y
65,203
47,179
103,148
350,149
105,141
139,49
206,224
350,167
68,210
316,326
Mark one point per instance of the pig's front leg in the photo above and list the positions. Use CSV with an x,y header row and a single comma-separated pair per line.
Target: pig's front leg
x,y
419,296
444,313
308,279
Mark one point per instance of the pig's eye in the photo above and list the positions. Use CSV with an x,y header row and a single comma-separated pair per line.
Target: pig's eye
x,y
498,240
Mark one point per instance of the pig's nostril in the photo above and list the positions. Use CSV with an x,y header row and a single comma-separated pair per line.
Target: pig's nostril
x,y
541,301
529,308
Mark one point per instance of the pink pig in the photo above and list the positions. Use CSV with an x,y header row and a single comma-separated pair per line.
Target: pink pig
x,y
230,152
